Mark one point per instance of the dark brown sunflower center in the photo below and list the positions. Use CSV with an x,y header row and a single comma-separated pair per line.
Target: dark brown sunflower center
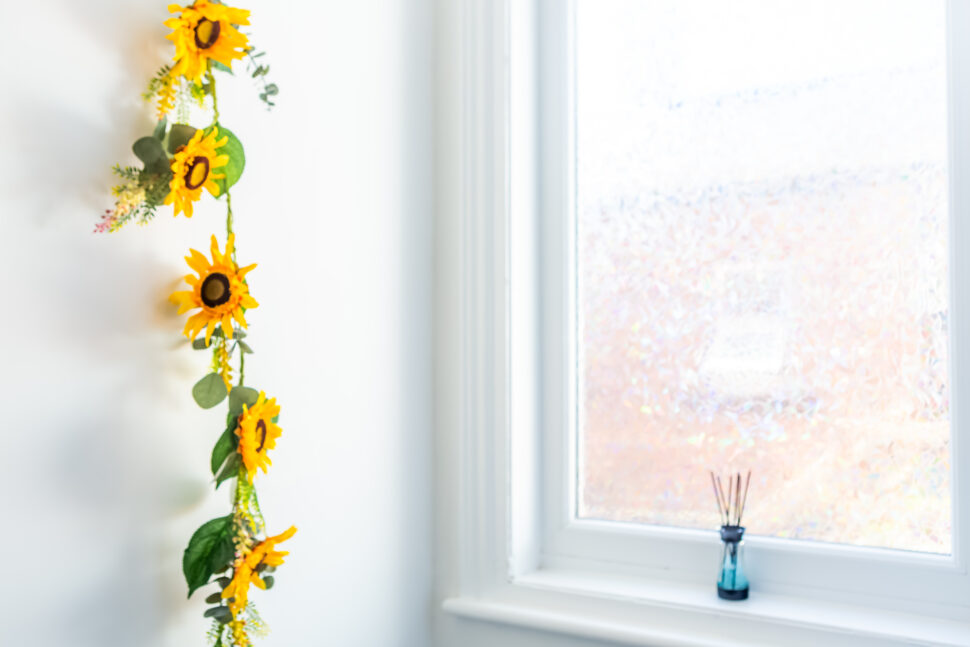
x,y
206,33
261,432
215,290
198,173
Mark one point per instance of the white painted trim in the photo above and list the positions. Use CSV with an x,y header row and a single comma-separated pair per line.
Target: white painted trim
x,y
676,617
552,572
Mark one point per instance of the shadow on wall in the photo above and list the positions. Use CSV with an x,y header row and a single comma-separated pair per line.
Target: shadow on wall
x,y
94,392
66,134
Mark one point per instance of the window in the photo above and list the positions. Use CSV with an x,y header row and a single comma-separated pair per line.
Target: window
x,y
573,208
762,249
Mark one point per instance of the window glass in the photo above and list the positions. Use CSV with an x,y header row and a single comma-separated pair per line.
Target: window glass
x,y
762,265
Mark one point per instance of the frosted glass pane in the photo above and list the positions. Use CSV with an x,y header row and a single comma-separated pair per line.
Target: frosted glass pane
x,y
762,265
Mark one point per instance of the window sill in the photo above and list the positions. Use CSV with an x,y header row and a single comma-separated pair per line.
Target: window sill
x,y
627,611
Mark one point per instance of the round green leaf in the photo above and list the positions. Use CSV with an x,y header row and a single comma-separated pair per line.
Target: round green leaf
x,y
237,159
179,136
148,150
209,391
239,396
220,614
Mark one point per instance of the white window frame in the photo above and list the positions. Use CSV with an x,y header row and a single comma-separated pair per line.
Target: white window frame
x,y
523,556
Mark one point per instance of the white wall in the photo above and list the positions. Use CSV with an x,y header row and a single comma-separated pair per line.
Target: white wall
x,y
104,456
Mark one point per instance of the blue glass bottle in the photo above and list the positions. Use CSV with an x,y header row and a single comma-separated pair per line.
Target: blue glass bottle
x,y
733,584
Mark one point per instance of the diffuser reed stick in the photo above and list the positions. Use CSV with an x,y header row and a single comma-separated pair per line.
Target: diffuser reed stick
x,y
730,504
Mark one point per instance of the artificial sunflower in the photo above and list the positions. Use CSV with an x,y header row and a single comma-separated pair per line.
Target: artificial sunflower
x,y
205,30
247,570
193,167
258,433
219,289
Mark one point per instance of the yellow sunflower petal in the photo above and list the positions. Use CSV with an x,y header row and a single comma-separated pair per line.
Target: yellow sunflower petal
x,y
238,315
197,261
214,249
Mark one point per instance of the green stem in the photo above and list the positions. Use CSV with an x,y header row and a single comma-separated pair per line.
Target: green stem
x,y
215,99
259,511
242,366
229,219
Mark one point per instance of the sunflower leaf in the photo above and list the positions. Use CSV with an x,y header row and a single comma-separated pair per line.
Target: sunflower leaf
x,y
179,136
159,132
237,159
239,396
210,544
223,447
148,150
229,470
209,391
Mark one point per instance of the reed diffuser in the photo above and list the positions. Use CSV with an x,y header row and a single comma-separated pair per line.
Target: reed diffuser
x,y
732,583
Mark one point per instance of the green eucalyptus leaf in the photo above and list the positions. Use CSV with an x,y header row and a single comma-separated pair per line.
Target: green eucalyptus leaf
x,y
216,65
215,598
209,391
199,342
210,545
219,614
245,347
224,446
239,396
179,136
162,166
269,581
271,89
229,470
159,132
237,159
236,334
148,150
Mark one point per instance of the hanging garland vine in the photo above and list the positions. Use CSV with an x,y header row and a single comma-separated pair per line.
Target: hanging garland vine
x,y
179,162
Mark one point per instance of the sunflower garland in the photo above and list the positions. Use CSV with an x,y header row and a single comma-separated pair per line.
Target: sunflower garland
x,y
179,163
